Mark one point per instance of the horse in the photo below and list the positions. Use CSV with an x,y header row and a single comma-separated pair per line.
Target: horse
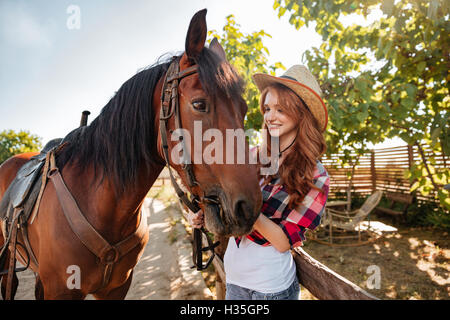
x,y
110,165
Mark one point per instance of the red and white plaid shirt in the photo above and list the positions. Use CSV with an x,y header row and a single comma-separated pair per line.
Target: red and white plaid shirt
x,y
293,222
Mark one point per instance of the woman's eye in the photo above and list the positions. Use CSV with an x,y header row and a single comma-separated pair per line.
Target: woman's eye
x,y
199,106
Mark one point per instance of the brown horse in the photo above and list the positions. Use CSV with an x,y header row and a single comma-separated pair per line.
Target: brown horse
x,y
110,165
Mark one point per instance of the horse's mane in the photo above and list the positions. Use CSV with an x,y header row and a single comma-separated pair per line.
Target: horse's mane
x,y
121,138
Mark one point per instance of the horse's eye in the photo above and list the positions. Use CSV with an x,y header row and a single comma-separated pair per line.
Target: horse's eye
x,y
200,105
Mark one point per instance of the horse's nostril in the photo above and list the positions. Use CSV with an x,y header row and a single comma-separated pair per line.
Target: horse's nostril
x,y
241,209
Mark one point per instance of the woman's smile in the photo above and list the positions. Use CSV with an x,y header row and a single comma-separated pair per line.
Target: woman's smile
x,y
273,126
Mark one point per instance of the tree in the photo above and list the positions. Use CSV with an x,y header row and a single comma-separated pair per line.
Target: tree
x,y
247,53
385,79
12,143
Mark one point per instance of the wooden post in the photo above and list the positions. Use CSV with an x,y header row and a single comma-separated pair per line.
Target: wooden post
x,y
330,216
373,171
349,196
411,163
220,273
410,157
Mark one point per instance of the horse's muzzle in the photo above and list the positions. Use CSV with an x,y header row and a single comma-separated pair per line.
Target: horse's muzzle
x,y
228,219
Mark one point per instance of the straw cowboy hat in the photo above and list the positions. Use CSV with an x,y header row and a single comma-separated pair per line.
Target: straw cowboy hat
x,y
300,80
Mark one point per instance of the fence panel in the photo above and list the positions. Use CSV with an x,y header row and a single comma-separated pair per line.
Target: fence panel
x,y
382,169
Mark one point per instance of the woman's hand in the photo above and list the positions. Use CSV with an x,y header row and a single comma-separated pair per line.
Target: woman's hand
x,y
196,220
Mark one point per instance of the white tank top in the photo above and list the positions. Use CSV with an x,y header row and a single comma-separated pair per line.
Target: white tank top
x,y
263,269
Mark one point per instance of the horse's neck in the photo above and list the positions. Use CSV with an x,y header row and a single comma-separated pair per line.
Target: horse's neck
x,y
130,202
114,216
135,193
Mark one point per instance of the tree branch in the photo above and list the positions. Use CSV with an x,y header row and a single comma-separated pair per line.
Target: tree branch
x,y
422,155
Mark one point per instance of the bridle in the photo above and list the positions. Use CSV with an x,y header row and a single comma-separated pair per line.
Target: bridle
x,y
169,108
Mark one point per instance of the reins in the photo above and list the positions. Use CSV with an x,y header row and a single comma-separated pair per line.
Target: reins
x,y
169,108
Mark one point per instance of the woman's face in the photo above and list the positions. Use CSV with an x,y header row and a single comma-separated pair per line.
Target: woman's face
x,y
277,121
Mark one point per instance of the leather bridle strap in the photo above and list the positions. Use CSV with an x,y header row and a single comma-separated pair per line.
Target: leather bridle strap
x,y
186,72
170,107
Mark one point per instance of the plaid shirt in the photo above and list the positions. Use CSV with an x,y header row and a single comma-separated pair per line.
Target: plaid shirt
x,y
293,222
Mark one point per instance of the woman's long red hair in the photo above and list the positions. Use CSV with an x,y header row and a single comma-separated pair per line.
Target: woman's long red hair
x,y
297,169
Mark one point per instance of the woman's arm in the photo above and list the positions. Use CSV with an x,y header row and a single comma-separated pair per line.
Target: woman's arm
x,y
272,232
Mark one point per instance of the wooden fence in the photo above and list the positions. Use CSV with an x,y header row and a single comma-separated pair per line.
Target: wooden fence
x,y
381,169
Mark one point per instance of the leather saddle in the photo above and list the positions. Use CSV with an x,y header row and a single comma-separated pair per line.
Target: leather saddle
x,y
24,189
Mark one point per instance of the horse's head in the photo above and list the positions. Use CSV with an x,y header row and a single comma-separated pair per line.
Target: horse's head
x,y
206,141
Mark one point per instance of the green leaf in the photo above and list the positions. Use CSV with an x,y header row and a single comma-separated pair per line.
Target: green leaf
x,y
411,89
421,66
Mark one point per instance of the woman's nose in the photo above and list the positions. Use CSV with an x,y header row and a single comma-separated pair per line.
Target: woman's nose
x,y
270,115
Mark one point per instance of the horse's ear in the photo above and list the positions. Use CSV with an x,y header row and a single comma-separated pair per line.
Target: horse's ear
x,y
196,35
217,49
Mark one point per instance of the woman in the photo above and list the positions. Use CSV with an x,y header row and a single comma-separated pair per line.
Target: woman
x,y
260,265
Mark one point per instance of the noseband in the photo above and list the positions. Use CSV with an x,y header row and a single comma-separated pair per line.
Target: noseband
x,y
169,108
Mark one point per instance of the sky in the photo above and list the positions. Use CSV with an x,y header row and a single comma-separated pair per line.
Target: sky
x,y
58,58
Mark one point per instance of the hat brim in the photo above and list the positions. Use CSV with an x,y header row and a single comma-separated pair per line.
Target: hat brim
x,y
313,101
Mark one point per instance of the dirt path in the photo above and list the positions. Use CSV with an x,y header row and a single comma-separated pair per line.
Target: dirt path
x,y
164,270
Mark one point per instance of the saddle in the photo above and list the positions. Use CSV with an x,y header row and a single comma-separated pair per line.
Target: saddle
x,y
24,189
16,206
